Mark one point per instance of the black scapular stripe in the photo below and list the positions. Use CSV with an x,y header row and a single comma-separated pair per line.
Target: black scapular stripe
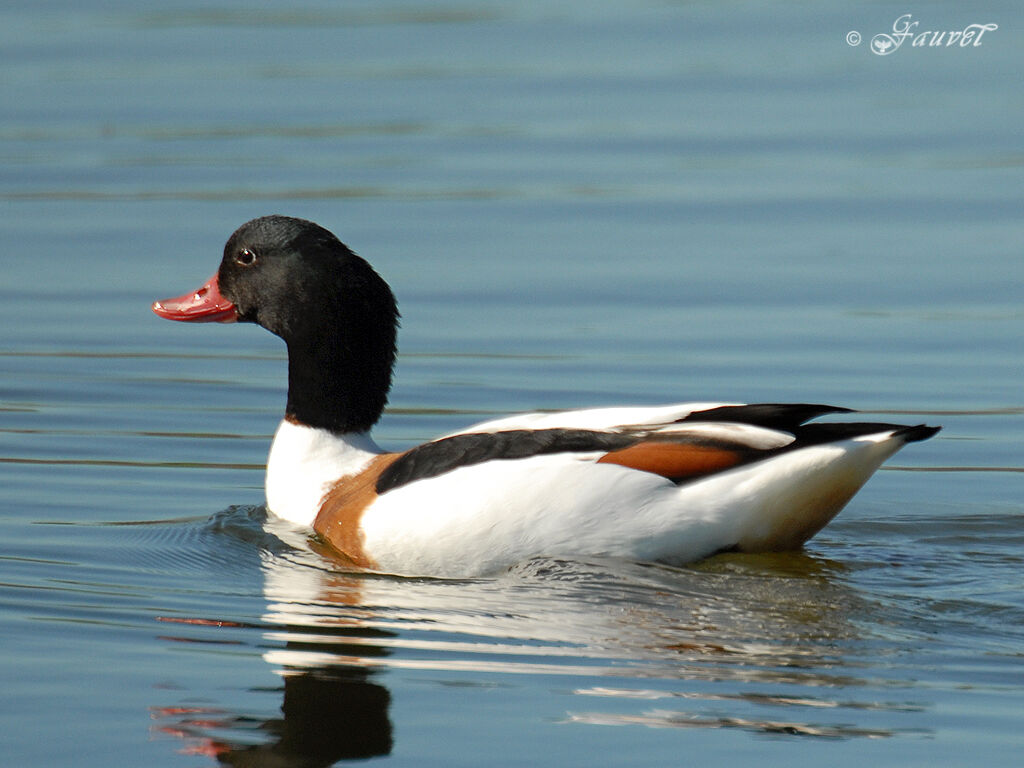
x,y
440,456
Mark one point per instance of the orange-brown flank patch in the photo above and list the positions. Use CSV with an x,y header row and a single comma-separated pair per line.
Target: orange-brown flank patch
x,y
676,461
342,509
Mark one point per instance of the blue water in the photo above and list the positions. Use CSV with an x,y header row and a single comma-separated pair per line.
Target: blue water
x,y
576,204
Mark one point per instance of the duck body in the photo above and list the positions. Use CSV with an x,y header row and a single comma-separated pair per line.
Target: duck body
x,y
672,483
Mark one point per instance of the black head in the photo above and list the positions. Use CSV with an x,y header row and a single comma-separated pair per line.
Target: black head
x,y
282,272
337,315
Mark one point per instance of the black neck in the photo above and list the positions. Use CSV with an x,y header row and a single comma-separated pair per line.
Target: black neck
x,y
341,387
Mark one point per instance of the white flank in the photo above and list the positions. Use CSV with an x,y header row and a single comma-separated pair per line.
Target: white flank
x,y
304,462
482,518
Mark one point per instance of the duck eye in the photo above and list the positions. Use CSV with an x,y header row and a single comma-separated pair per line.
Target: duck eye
x,y
245,257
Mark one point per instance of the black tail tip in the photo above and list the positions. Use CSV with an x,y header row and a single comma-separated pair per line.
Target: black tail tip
x,y
917,433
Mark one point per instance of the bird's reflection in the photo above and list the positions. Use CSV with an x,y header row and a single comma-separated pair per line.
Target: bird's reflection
x,y
333,707
328,714
757,643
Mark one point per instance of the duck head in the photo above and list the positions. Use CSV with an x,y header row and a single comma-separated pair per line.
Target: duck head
x,y
337,316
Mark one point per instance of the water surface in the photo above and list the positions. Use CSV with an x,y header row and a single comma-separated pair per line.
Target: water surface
x,y
643,202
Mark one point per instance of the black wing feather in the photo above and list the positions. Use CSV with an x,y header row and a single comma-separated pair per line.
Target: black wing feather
x,y
784,416
440,456
816,434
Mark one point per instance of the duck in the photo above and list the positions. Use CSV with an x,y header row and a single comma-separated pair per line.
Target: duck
x,y
670,484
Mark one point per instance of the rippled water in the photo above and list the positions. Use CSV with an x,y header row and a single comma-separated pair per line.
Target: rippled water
x,y
576,205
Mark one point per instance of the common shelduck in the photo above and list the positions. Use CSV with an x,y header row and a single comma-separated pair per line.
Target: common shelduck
x,y
672,484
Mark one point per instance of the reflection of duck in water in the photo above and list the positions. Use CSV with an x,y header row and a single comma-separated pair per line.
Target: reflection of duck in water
x,y
738,641
332,707
329,714
674,483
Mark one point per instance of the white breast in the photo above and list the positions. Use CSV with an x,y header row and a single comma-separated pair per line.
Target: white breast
x,y
305,461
